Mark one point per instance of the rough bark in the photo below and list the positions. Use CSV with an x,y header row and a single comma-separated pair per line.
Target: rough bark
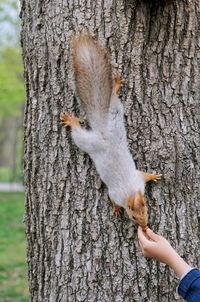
x,y
77,250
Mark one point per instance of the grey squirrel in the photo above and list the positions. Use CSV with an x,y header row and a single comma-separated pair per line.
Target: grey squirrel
x,y
106,141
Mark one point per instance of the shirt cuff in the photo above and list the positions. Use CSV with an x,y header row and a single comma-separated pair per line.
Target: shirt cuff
x,y
188,270
187,281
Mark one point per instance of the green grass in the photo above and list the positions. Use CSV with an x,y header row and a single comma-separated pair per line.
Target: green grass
x,y
6,175
13,269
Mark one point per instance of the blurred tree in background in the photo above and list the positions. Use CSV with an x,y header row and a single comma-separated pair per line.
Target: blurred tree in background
x,y
11,92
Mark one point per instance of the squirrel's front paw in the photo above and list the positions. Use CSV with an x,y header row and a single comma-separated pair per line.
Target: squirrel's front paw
x,y
116,210
67,120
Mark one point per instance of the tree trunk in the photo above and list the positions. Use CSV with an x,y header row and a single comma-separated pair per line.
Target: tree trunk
x,y
77,250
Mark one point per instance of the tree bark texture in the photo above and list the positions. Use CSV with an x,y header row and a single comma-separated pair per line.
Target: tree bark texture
x,y
77,250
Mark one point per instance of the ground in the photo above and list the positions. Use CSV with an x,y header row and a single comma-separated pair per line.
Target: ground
x,y
13,268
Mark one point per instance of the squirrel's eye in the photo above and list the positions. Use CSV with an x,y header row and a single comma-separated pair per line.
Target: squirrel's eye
x,y
133,217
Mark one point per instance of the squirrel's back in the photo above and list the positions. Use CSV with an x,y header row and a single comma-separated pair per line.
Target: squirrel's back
x,y
93,77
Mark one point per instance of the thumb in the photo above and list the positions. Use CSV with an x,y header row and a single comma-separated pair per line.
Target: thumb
x,y
153,236
143,238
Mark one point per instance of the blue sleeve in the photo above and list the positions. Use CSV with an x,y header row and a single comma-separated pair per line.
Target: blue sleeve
x,y
189,286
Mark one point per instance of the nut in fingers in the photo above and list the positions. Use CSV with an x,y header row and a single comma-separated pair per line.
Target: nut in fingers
x,y
67,120
144,228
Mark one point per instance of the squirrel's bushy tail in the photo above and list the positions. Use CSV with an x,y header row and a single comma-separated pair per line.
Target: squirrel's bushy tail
x,y
93,76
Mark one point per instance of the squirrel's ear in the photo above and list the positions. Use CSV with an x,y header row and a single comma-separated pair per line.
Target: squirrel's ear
x,y
131,202
141,199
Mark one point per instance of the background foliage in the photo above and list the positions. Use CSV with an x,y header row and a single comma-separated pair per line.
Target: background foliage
x,y
11,92
13,269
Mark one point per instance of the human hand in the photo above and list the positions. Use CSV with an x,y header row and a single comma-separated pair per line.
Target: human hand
x,y
157,247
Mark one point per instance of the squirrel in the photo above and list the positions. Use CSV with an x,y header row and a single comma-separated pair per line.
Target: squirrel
x,y
106,141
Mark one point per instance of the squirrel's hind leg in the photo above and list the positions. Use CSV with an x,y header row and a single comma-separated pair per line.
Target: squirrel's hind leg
x,y
117,84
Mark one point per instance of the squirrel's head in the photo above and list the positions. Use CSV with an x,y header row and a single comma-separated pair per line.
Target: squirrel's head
x,y
136,209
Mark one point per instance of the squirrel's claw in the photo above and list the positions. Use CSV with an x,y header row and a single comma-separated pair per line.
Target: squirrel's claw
x,y
118,83
157,177
116,210
67,120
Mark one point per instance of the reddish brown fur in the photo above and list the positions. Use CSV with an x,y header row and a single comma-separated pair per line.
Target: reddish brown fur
x,y
93,75
117,84
141,199
131,202
136,209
